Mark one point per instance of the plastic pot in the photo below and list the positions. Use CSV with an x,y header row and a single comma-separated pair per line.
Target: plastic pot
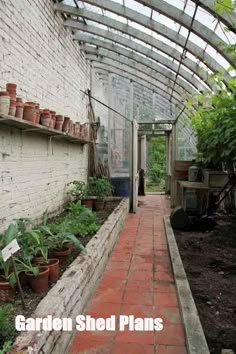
x,y
4,102
12,108
46,118
39,283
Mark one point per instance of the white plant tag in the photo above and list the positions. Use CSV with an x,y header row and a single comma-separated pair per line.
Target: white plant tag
x,y
10,249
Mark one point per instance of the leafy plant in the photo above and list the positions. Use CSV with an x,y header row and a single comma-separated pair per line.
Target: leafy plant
x,y
24,265
7,328
78,190
99,187
58,241
6,347
9,235
215,125
5,267
6,271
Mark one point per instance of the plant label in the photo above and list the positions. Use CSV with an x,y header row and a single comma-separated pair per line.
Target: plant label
x,y
10,249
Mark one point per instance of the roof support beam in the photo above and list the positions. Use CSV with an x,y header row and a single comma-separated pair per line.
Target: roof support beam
x,y
139,67
124,28
227,18
159,28
197,28
128,73
109,48
169,64
143,76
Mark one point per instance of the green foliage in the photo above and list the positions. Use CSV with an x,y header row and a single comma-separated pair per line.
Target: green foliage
x,y
78,190
222,6
7,328
99,187
6,347
5,267
156,161
215,125
80,221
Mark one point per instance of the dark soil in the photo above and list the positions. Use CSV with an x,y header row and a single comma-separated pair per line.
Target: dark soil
x,y
32,299
210,263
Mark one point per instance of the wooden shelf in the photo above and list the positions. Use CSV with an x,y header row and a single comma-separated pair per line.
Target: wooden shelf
x,y
39,129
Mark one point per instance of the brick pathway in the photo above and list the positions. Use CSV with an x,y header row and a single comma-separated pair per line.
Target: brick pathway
x,y
138,281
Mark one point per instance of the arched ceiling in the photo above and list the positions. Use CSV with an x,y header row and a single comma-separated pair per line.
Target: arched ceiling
x,y
170,49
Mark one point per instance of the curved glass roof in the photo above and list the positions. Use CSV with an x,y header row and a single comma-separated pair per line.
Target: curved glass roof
x,y
169,48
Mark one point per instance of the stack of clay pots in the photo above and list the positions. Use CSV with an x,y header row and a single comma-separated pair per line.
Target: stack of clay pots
x,y
30,111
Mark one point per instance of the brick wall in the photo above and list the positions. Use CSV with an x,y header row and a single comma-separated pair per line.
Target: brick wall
x,y
39,55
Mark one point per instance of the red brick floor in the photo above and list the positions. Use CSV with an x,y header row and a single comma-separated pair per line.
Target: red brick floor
x,y
138,281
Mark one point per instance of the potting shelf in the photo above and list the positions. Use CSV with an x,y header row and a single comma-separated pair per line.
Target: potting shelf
x,y
40,129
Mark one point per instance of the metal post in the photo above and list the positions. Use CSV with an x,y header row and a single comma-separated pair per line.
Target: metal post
x,y
110,119
131,117
173,158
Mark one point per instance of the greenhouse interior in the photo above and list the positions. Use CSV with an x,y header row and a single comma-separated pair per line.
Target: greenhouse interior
x,y
118,176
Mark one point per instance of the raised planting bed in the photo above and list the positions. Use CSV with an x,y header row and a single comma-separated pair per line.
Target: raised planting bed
x,y
209,260
70,295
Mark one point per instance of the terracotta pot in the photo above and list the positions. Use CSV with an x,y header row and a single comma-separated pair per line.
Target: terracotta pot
x,y
66,125
88,203
99,205
54,271
23,278
71,128
4,102
59,122
40,283
38,260
11,89
70,245
7,293
12,108
63,254
77,125
53,121
37,114
29,111
19,108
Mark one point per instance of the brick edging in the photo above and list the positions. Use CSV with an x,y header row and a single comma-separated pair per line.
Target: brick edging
x,y
195,338
71,294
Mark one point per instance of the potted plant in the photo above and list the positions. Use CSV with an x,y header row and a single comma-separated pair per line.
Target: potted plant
x,y
37,275
101,188
35,241
7,281
7,276
79,190
61,245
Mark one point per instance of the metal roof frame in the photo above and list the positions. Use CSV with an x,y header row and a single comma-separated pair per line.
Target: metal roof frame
x,y
130,52
159,28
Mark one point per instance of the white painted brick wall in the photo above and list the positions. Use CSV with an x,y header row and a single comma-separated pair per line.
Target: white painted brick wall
x,y
38,54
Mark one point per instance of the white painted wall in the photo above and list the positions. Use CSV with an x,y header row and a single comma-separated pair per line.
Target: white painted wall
x,y
39,55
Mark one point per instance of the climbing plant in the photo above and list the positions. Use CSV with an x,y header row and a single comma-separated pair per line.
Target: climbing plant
x,y
224,5
215,124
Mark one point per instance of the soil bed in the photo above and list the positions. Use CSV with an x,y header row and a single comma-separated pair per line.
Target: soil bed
x,y
32,299
210,263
